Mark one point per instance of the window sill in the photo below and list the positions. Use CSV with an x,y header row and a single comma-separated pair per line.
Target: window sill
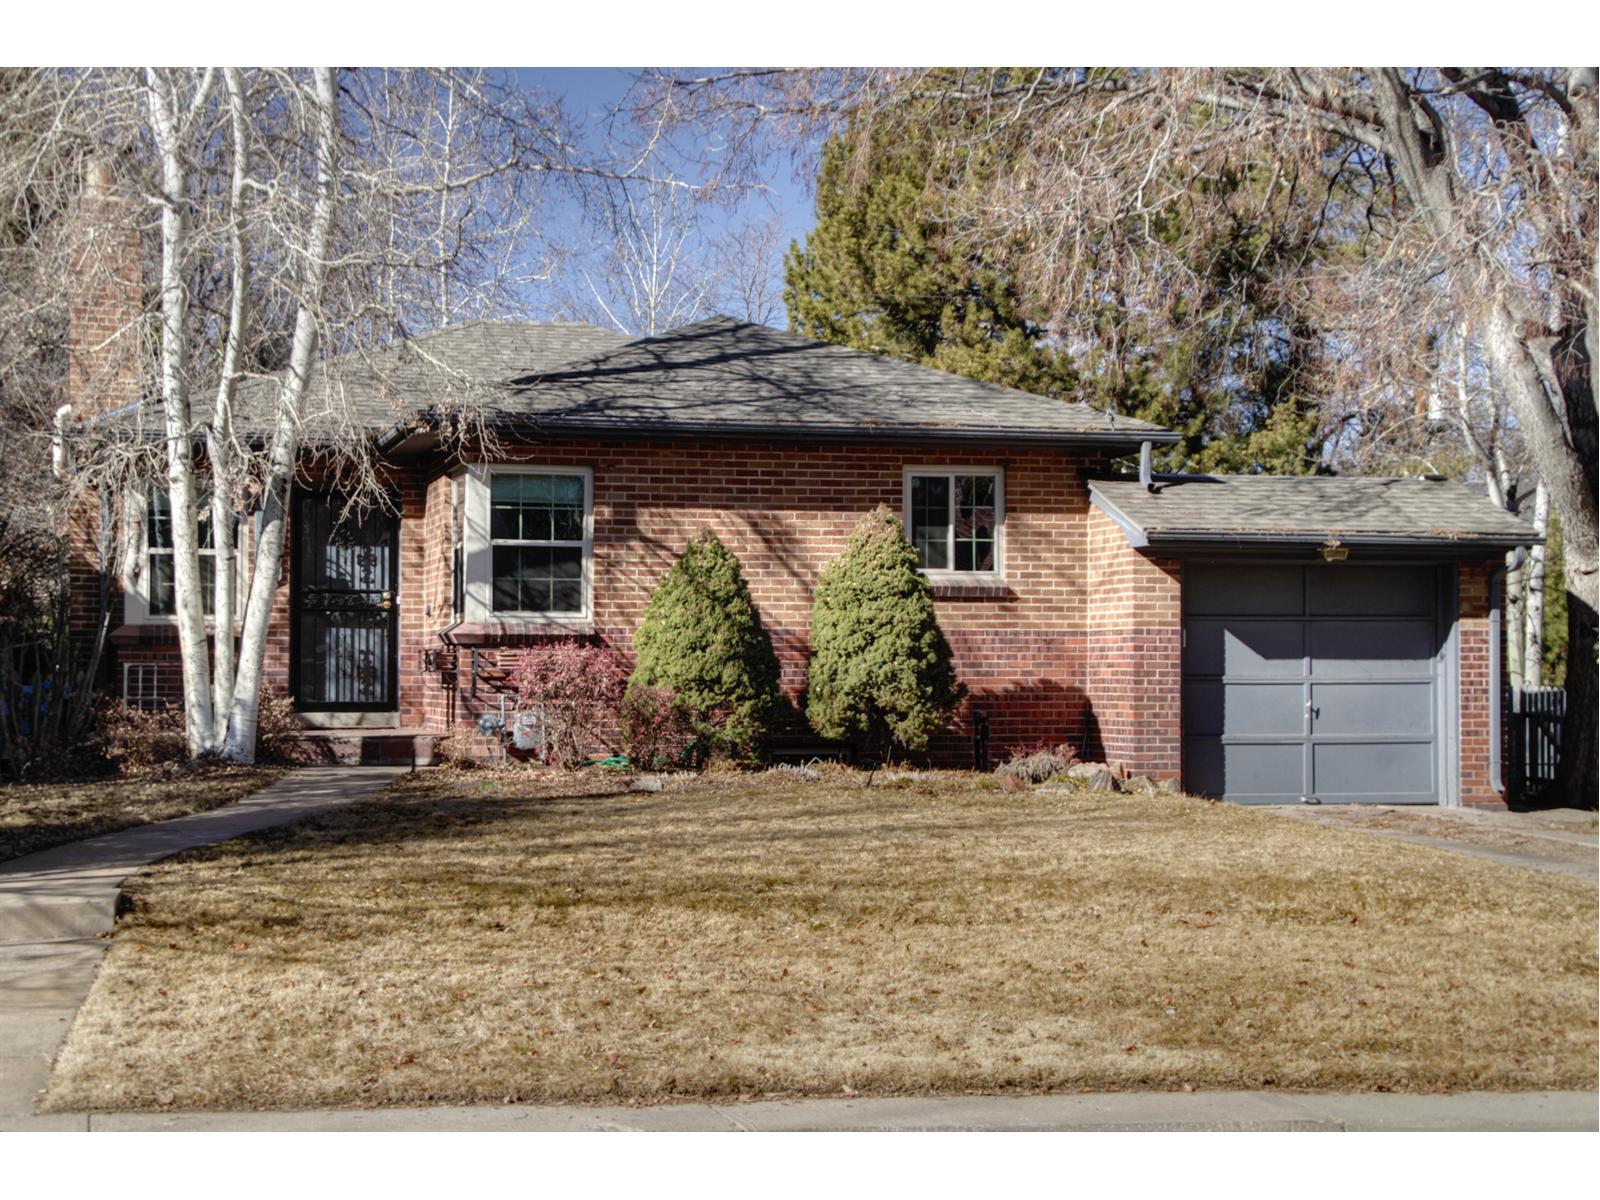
x,y
946,588
515,629
155,630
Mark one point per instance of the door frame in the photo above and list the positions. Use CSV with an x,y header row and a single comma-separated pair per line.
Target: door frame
x,y
1447,618
298,496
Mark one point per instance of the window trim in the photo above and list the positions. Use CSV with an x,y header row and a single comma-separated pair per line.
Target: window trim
x,y
137,575
479,546
949,575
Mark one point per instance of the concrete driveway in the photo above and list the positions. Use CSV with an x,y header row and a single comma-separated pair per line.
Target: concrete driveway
x,y
1563,841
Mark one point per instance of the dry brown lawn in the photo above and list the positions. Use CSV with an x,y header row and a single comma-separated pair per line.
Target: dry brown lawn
x,y
36,816
534,937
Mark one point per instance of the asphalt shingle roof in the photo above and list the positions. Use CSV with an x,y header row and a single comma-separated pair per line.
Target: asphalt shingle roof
x,y
718,376
381,387
1301,509
723,374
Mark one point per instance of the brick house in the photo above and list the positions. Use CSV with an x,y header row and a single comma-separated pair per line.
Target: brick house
x,y
1264,639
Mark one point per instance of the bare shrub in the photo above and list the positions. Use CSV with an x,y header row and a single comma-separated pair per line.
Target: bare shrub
x,y
454,750
276,724
140,742
577,689
657,731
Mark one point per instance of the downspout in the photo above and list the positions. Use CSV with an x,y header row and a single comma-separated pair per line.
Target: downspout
x,y
1497,583
1497,645
1146,467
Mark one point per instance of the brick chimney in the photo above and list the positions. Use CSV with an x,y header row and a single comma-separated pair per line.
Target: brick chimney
x,y
105,302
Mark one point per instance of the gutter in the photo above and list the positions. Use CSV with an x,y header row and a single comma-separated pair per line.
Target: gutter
x,y
1184,538
1212,539
794,431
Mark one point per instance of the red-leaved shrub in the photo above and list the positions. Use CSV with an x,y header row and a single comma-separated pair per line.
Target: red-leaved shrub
x,y
657,731
576,691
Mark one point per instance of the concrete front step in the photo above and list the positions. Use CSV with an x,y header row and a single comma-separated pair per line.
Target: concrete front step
x,y
363,748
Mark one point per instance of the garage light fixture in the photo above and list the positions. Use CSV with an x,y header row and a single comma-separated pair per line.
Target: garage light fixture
x,y
1334,550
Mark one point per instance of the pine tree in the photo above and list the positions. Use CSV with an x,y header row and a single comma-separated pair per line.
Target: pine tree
x,y
880,271
701,637
877,273
880,666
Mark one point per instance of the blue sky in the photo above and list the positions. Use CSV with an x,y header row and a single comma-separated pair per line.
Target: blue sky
x,y
590,92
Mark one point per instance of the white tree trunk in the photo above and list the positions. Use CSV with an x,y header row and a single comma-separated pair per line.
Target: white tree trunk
x,y
219,438
1533,615
1516,622
181,489
245,710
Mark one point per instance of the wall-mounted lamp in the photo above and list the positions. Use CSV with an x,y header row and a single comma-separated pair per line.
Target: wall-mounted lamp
x,y
1334,551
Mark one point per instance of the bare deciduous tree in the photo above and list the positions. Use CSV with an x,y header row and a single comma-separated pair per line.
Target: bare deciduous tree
x,y
1462,196
649,269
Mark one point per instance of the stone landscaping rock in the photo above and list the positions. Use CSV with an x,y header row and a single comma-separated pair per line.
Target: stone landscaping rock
x,y
1097,777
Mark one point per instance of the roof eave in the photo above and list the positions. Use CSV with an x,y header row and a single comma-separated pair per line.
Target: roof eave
x,y
1312,540
796,431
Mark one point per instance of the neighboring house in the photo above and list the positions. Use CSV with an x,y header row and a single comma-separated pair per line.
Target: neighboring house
x,y
1262,638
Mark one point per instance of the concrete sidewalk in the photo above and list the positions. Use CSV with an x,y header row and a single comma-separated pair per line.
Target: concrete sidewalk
x,y
55,907
1121,1111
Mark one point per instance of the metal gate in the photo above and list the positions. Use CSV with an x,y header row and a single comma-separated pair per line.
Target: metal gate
x,y
1534,717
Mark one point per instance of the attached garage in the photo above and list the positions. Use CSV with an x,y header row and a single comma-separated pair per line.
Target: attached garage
x,y
1315,683
1338,638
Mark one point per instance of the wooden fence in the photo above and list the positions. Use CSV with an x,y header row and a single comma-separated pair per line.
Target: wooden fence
x,y
1533,739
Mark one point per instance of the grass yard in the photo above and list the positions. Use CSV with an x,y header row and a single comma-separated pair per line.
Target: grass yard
x,y
36,816
540,937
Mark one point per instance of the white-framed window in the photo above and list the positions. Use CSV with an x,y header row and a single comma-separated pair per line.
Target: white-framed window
x,y
955,517
529,543
150,595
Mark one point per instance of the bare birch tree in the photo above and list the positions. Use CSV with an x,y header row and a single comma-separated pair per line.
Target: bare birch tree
x,y
298,220
649,270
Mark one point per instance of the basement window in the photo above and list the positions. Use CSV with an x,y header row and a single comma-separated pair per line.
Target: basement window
x,y
954,518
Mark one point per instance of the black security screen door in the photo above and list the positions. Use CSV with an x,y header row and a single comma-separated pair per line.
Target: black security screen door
x,y
344,612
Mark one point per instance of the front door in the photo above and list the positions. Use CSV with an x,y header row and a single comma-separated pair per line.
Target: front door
x,y
344,627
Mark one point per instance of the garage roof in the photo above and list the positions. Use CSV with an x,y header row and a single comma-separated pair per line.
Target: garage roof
x,y
1291,510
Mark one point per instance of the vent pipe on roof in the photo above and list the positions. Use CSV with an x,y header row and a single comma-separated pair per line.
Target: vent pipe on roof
x,y
1146,475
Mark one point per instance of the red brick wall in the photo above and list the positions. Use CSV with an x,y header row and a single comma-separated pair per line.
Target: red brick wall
x,y
786,510
1084,645
105,309
1473,635
1134,649
105,368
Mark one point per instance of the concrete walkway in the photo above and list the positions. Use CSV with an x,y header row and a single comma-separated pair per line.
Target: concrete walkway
x,y
1132,1111
57,905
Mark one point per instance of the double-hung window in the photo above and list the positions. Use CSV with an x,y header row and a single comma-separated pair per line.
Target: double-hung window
x,y
954,517
160,591
538,542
